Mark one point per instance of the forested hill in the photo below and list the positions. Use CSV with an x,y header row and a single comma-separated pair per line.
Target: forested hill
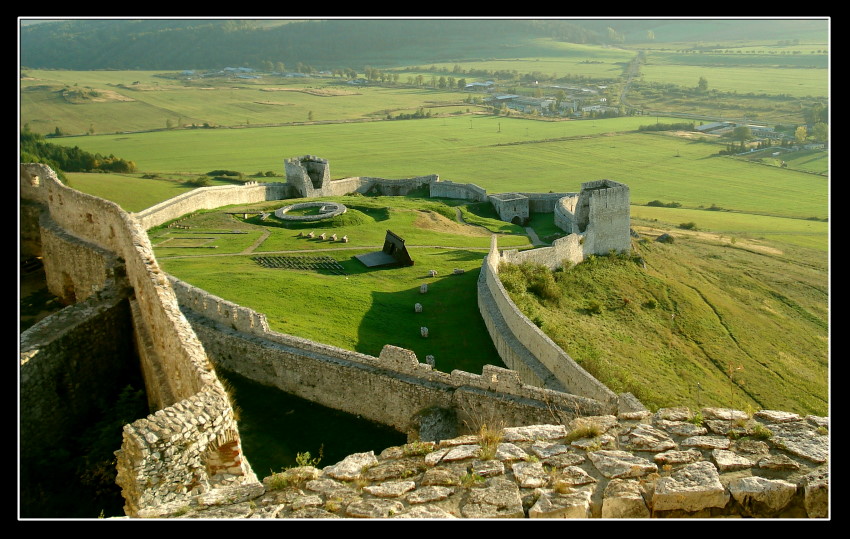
x,y
209,44
152,44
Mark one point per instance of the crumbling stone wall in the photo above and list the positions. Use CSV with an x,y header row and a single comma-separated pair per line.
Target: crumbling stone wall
x,y
171,356
511,207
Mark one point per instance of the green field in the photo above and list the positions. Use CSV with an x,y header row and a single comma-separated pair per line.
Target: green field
x,y
500,155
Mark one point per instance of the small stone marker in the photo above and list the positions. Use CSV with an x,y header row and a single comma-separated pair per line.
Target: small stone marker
x,y
429,360
300,234
432,273
423,288
311,235
322,236
345,239
333,237
417,308
458,271
423,331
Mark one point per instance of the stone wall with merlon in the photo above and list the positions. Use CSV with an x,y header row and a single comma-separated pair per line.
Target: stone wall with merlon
x,y
361,384
604,208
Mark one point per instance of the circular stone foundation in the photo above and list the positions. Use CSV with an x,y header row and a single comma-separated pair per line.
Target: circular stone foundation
x,y
326,211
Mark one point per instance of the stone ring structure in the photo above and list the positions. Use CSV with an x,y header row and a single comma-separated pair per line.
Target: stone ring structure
x,y
326,211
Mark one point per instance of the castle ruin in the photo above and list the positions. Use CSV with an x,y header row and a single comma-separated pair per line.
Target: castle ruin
x,y
98,259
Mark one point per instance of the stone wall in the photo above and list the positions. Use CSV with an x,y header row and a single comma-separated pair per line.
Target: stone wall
x,y
676,463
68,364
511,321
172,358
207,198
392,389
462,191
543,202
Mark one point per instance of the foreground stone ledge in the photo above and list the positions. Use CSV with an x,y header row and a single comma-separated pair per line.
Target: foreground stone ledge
x,y
643,466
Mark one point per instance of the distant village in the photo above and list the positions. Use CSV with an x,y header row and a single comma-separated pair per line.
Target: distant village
x,y
572,101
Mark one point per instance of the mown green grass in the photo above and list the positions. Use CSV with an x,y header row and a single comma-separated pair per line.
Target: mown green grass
x,y
366,309
672,333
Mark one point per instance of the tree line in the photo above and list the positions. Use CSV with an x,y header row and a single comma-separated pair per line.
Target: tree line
x,y
36,149
327,44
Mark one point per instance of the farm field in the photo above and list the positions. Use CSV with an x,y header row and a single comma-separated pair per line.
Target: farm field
x,y
500,155
773,74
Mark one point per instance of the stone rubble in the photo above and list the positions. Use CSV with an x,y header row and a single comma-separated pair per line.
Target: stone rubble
x,y
662,465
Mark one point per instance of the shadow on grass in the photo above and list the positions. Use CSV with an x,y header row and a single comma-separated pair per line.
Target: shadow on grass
x,y
457,336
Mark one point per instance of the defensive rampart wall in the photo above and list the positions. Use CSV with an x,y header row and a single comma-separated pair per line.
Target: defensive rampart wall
x,y
463,191
188,448
393,389
507,319
207,198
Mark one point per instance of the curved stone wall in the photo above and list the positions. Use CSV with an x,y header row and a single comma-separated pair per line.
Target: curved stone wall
x,y
328,210
574,379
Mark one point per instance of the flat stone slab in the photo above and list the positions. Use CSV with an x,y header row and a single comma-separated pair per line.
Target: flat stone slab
x,y
548,449
552,504
351,466
431,493
728,461
536,432
692,488
762,497
644,437
390,489
499,499
425,512
614,464
622,498
509,451
800,440
374,508
530,474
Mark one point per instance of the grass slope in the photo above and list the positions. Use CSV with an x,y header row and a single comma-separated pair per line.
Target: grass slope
x,y
705,323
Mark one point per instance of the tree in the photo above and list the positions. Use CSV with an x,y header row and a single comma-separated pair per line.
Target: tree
x,y
800,134
702,85
820,132
742,133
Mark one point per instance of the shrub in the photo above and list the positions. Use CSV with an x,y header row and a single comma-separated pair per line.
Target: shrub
x,y
594,307
688,226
